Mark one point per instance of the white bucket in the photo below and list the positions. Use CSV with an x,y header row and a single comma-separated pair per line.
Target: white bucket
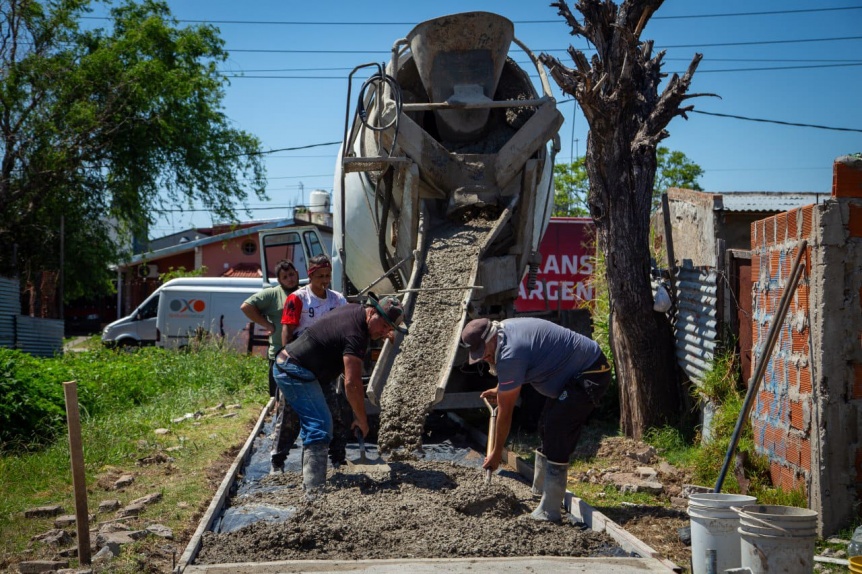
x,y
777,538
714,531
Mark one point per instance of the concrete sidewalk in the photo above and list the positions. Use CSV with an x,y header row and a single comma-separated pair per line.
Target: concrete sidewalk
x,y
536,565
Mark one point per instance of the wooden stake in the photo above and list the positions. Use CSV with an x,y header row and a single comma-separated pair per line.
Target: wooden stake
x,y
79,479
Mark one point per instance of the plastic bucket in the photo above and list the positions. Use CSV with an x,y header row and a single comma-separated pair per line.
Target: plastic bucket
x,y
714,531
777,538
856,564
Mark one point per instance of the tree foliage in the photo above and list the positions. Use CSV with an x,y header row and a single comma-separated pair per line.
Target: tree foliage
x,y
674,169
572,185
108,127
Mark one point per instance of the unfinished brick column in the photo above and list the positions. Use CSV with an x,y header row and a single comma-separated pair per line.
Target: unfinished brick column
x,y
808,414
781,416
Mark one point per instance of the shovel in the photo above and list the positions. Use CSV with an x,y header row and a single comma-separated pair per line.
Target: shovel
x,y
363,463
492,435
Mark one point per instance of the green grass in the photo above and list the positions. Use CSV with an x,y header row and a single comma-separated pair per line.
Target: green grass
x,y
672,445
118,430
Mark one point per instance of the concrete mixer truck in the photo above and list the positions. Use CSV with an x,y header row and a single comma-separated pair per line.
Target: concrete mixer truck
x,y
443,189
444,185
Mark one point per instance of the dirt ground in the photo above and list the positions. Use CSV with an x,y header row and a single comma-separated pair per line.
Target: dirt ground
x,y
658,525
418,510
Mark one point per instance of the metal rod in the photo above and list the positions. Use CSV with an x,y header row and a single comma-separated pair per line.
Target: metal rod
x,y
425,106
387,274
771,338
432,289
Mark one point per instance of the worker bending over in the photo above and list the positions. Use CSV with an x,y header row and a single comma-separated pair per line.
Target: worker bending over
x,y
335,344
567,368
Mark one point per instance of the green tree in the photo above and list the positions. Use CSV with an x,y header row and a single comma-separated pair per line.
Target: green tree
x,y
572,185
108,127
674,169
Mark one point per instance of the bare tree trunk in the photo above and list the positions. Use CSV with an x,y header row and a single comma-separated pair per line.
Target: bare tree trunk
x,y
642,340
618,93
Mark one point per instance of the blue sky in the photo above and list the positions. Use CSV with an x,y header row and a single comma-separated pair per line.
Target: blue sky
x,y
290,61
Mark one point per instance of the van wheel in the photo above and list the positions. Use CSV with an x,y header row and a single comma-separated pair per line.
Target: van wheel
x,y
128,344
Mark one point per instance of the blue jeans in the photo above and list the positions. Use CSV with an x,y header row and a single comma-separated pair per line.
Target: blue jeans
x,y
304,393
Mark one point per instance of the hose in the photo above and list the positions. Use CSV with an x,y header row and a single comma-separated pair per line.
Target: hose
x,y
375,80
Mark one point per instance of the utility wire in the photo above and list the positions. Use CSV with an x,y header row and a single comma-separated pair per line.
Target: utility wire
x,y
560,102
852,61
779,122
557,21
255,76
557,50
269,151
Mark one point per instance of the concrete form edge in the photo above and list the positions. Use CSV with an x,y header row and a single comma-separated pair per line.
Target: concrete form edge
x,y
218,500
577,507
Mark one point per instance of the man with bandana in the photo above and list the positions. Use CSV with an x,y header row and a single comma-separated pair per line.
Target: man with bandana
x,y
302,309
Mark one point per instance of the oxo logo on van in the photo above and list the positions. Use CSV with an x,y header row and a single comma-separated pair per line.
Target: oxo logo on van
x,y
188,305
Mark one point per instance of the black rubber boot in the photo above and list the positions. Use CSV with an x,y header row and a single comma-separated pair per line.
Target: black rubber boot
x,y
286,432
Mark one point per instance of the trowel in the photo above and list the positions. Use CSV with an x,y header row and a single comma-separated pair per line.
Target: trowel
x,y
363,463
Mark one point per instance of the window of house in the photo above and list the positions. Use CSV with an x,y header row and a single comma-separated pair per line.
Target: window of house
x,y
249,247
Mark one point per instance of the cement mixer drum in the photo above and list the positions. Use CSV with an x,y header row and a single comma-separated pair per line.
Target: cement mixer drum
x,y
453,126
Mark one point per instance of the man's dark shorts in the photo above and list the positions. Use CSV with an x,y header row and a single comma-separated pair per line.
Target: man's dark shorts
x,y
563,418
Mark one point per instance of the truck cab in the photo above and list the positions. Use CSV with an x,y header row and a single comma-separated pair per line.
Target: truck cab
x,y
299,244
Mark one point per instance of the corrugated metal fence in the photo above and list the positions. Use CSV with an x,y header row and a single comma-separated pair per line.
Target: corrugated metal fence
x,y
37,336
696,320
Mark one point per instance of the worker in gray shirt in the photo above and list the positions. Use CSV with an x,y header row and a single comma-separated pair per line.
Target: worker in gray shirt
x,y
567,368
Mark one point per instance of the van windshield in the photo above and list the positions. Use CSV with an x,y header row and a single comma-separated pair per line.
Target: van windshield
x,y
149,309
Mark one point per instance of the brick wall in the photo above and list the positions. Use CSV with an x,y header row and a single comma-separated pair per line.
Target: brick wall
x,y
807,417
781,415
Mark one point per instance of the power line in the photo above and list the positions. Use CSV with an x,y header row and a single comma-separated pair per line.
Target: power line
x,y
776,68
560,102
266,152
760,120
779,122
523,63
556,50
699,71
557,21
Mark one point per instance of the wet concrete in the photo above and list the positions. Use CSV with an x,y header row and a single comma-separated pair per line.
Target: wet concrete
x,y
437,507
422,358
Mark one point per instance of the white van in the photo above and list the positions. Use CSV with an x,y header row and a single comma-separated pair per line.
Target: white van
x,y
189,311
299,244
139,327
